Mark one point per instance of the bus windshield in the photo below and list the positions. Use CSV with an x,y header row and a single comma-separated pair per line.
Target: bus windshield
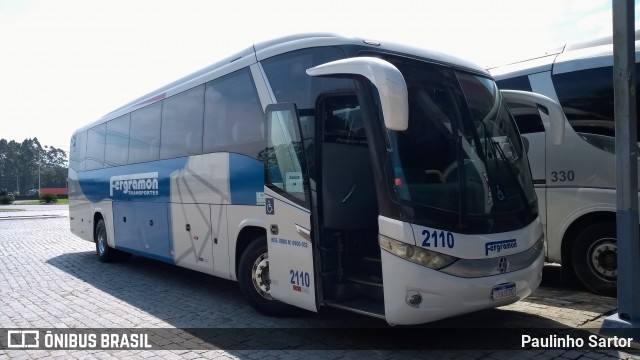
x,y
462,153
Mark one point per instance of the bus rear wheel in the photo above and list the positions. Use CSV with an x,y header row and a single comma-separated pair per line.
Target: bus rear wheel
x,y
595,258
104,252
254,280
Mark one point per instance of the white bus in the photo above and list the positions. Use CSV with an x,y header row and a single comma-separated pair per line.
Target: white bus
x,y
318,170
575,181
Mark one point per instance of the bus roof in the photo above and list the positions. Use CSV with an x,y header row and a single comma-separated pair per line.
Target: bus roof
x,y
267,49
591,53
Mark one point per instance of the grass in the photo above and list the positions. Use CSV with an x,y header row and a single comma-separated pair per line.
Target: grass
x,y
38,202
11,210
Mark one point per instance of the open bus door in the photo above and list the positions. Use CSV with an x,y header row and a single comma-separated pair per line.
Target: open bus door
x,y
287,206
287,186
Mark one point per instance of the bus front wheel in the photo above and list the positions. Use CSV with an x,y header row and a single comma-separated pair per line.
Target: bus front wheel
x,y
594,257
254,280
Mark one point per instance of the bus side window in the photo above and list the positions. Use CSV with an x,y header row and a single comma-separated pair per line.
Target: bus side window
x,y
527,118
182,124
233,116
117,143
144,136
248,125
79,151
95,152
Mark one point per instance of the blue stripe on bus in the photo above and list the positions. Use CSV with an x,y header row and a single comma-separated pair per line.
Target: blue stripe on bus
x,y
141,194
96,184
246,179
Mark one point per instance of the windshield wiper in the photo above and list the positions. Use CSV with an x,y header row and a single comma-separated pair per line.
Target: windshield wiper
x,y
512,174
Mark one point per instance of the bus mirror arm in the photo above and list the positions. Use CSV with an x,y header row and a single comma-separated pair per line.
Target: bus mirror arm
x,y
556,114
390,83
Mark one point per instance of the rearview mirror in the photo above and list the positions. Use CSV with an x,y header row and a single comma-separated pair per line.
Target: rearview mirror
x,y
384,76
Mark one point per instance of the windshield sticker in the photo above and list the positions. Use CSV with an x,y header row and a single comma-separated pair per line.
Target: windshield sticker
x,y
497,246
260,198
294,182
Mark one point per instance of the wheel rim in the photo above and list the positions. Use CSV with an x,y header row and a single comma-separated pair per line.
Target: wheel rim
x,y
102,241
603,258
260,276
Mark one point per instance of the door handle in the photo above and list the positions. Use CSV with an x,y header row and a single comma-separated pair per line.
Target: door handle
x,y
304,232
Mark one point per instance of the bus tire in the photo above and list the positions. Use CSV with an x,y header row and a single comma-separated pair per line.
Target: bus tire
x,y
253,277
594,258
104,252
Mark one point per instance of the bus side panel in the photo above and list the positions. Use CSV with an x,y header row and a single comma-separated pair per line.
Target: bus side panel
x,y
239,217
143,228
199,233
541,194
192,240
568,204
221,257
80,218
79,209
201,179
199,238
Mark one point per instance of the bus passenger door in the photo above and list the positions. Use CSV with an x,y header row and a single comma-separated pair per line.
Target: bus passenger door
x,y
287,208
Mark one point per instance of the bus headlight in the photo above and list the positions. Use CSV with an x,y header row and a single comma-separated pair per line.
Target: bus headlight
x,y
418,255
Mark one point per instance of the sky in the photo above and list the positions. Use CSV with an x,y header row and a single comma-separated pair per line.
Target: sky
x,y
66,63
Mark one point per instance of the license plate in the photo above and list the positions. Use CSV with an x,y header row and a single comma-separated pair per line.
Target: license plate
x,y
503,291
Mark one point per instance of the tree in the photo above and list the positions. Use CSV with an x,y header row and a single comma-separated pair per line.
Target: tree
x,y
20,164
9,164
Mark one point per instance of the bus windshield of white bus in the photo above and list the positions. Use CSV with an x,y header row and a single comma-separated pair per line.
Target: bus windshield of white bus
x,y
462,153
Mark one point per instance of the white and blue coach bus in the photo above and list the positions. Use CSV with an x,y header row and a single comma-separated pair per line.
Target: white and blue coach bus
x,y
319,170
576,180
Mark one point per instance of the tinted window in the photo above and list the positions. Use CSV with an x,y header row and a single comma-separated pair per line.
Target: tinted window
x,y
516,83
144,135
290,83
233,116
286,168
95,148
182,124
344,123
78,151
117,146
587,99
527,117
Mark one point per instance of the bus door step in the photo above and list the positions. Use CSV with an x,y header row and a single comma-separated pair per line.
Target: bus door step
x,y
368,286
361,306
371,266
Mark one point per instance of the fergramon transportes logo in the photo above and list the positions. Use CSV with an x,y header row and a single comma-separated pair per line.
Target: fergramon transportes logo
x,y
143,184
